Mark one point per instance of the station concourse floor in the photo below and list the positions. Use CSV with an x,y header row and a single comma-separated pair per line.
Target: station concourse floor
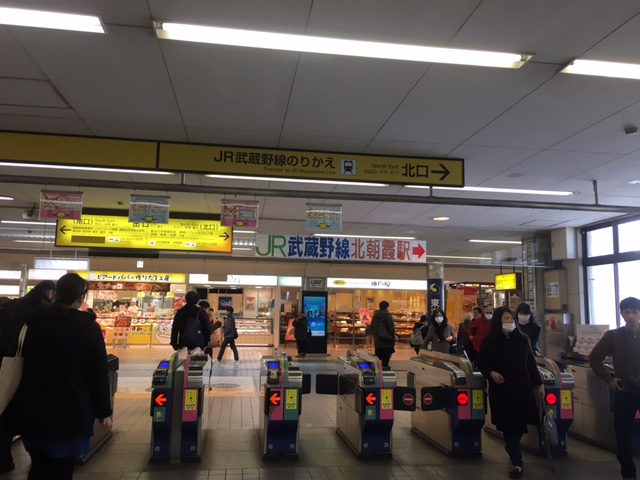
x,y
232,450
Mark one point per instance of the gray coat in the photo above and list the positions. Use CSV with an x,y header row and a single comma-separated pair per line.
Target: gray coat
x,y
230,327
433,339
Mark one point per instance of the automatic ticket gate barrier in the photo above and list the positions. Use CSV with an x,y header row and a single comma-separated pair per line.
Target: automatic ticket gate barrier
x,y
558,401
178,408
282,385
366,396
451,405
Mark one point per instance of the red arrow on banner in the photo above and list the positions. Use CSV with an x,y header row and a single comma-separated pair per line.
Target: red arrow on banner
x,y
161,400
419,251
371,399
275,398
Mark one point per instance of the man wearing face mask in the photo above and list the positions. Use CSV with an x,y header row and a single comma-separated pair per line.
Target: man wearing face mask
x,y
528,325
623,344
480,327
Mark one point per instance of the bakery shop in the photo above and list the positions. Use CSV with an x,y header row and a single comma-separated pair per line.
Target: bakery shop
x,y
135,308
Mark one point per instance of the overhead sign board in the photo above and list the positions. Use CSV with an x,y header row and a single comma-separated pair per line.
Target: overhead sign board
x,y
225,160
508,281
341,249
133,277
99,231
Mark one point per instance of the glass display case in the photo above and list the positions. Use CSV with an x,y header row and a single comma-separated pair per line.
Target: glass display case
x,y
255,331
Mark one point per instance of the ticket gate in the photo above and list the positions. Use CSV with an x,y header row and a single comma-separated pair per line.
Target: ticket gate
x,y
366,396
281,387
558,400
451,406
593,403
100,434
178,408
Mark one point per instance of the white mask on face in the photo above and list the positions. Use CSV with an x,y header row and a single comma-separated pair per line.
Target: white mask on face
x,y
523,319
488,316
508,327
439,319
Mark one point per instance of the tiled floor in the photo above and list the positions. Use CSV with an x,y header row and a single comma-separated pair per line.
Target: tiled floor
x,y
232,450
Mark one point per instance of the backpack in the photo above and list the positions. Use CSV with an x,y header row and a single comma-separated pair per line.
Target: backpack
x,y
416,336
192,336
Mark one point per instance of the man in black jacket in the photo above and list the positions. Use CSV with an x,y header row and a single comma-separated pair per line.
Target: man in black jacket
x,y
190,310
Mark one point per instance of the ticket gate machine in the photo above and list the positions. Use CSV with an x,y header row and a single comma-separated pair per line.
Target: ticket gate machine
x,y
558,400
451,406
593,403
178,408
281,387
366,396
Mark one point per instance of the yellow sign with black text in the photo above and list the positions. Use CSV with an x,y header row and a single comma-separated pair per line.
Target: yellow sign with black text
x,y
335,167
99,231
94,276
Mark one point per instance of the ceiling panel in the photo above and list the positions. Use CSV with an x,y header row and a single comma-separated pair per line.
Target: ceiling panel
x,y
34,93
14,60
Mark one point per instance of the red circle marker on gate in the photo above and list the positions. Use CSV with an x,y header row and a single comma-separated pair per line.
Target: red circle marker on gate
x,y
427,399
408,399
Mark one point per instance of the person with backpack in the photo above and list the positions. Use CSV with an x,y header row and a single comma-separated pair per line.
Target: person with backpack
x,y
420,330
230,335
13,315
441,335
191,326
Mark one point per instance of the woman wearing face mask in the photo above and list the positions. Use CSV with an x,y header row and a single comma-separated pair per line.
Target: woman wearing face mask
x,y
528,325
506,361
441,335
479,327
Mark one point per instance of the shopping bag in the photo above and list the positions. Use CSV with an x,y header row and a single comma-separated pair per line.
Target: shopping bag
x,y
11,373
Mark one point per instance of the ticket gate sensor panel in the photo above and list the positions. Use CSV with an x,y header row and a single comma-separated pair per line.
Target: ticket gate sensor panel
x,y
281,387
366,397
558,401
452,403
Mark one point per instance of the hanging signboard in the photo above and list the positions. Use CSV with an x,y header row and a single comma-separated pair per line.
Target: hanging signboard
x,y
146,209
60,205
341,248
239,214
321,217
100,231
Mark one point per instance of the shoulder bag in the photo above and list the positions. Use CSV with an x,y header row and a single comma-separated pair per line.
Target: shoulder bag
x,y
11,373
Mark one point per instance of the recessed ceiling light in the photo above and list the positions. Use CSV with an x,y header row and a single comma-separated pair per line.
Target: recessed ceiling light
x,y
440,219
336,46
5,197
603,69
510,242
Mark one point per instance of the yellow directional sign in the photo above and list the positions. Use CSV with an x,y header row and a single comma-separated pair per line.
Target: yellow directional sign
x,y
99,231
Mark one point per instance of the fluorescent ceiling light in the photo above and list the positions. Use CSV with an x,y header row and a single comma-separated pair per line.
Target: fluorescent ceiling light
x,y
297,180
499,190
458,257
5,197
603,69
243,231
510,242
21,222
54,20
362,236
441,219
83,168
46,242
336,46
239,248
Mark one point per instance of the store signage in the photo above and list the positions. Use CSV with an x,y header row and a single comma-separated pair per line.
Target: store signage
x,y
262,280
60,205
341,249
335,167
61,263
146,209
143,289
134,277
239,214
323,217
376,284
98,231
508,281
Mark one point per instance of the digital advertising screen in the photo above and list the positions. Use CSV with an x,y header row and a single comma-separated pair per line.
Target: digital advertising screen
x,y
315,309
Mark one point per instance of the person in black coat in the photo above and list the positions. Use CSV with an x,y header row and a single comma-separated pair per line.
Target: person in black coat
x,y
527,324
65,383
190,310
301,333
506,361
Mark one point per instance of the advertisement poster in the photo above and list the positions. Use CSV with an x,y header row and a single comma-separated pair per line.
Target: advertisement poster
x,y
289,336
239,214
455,310
365,316
67,205
370,303
121,328
146,209
250,303
224,303
322,217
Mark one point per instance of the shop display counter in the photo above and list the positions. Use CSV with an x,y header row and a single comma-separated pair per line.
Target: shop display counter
x,y
143,330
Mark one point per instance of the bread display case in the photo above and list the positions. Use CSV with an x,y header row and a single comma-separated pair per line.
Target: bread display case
x,y
143,330
349,329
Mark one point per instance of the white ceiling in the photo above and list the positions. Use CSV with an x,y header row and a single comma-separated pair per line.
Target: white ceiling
x,y
526,128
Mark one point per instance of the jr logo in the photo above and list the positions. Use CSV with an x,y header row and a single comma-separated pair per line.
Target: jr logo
x,y
275,243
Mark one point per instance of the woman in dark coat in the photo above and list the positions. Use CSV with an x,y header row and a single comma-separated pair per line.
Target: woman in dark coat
x,y
528,325
65,384
301,334
506,361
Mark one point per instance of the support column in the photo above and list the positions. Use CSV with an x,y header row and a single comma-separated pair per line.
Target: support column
x,y
435,286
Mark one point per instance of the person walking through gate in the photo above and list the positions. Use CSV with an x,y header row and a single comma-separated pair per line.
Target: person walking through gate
x,y
230,335
301,333
384,333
